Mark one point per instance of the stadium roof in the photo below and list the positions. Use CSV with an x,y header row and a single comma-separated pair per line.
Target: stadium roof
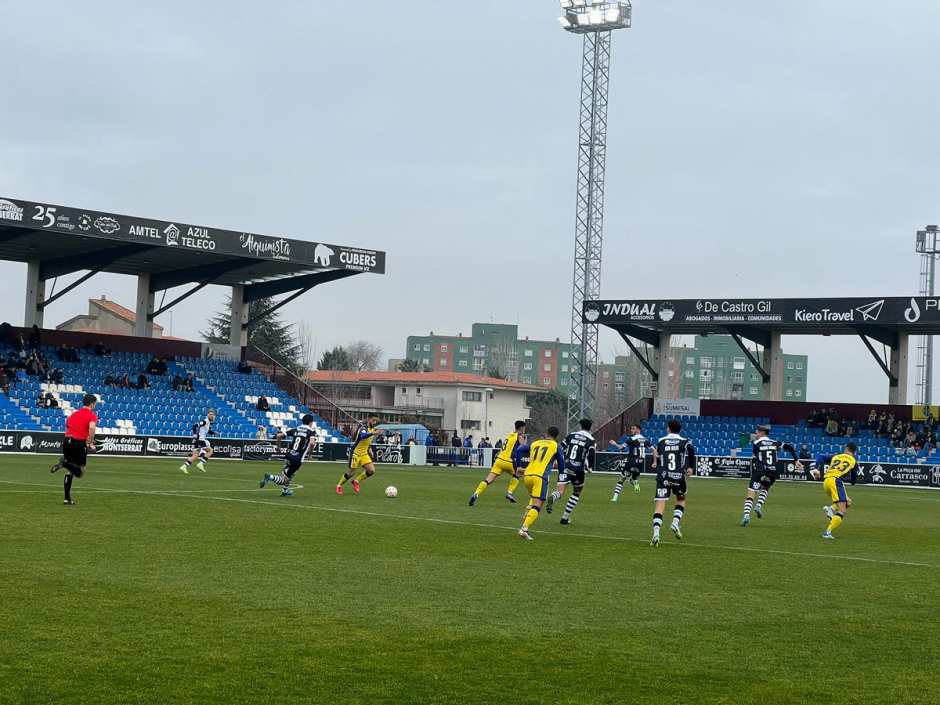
x,y
419,378
65,239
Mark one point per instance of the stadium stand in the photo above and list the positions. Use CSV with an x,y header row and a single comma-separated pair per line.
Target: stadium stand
x,y
158,410
720,435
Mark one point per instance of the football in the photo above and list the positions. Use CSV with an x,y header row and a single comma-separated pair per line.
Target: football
x,y
391,491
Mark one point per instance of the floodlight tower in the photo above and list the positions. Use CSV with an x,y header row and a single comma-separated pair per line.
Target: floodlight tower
x,y
595,19
927,246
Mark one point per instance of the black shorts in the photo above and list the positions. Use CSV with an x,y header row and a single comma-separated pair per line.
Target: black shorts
x,y
670,486
572,475
292,464
631,468
762,478
75,451
199,445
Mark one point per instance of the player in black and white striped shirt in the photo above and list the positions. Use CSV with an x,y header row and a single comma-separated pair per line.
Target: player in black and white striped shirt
x,y
674,459
301,439
764,471
578,450
637,447
202,449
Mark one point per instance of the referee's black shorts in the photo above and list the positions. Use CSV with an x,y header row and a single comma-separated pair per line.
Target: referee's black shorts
x,y
75,451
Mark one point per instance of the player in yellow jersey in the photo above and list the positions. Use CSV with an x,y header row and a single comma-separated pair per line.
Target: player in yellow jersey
x,y
360,456
835,468
503,464
542,454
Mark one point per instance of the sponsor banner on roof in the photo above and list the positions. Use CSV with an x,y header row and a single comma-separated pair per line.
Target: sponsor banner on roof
x,y
184,236
809,314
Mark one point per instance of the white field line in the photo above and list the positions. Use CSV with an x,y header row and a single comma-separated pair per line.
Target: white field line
x,y
455,522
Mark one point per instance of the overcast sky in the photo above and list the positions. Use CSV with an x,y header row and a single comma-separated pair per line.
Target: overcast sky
x,y
755,150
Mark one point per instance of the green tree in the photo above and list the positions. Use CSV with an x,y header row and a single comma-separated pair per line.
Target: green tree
x,y
548,409
409,365
270,335
335,359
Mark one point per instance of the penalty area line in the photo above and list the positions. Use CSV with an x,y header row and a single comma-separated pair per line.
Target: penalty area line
x,y
457,522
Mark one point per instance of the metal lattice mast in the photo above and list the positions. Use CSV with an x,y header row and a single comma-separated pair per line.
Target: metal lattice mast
x,y
928,247
595,20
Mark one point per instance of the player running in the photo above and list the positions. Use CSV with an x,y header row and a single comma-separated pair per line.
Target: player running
x,y
764,471
637,447
360,456
837,467
673,458
202,449
301,439
503,464
542,454
579,452
80,429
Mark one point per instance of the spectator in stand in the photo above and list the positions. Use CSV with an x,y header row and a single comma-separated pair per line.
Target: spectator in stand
x,y
188,383
262,404
261,434
35,338
109,380
153,367
34,367
832,427
244,367
872,420
56,375
4,381
178,383
101,350
142,382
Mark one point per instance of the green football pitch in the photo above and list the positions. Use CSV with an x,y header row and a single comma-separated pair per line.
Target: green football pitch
x,y
161,588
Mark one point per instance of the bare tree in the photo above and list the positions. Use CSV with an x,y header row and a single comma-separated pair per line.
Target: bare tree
x,y
364,355
307,339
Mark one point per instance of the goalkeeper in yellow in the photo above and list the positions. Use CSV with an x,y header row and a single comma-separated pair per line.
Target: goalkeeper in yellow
x,y
542,454
503,464
837,467
361,465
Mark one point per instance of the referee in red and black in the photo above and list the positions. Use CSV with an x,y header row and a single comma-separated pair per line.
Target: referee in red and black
x,y
79,439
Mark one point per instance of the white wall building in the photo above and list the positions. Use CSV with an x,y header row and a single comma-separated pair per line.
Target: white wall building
x,y
467,403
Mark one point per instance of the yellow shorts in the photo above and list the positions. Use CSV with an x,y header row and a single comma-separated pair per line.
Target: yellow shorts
x,y
500,466
359,460
836,489
537,486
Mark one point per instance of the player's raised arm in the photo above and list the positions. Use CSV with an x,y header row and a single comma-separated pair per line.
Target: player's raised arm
x,y
560,458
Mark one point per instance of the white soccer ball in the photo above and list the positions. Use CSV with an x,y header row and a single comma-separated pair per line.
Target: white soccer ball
x,y
391,491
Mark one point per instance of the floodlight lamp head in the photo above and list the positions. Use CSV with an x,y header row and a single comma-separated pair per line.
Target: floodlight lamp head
x,y
584,16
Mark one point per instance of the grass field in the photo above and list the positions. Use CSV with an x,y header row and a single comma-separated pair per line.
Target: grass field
x,y
162,588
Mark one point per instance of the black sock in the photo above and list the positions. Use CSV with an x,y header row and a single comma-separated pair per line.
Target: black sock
x,y
67,483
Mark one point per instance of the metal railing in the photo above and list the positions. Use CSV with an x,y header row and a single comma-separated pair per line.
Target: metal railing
x,y
283,377
617,426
